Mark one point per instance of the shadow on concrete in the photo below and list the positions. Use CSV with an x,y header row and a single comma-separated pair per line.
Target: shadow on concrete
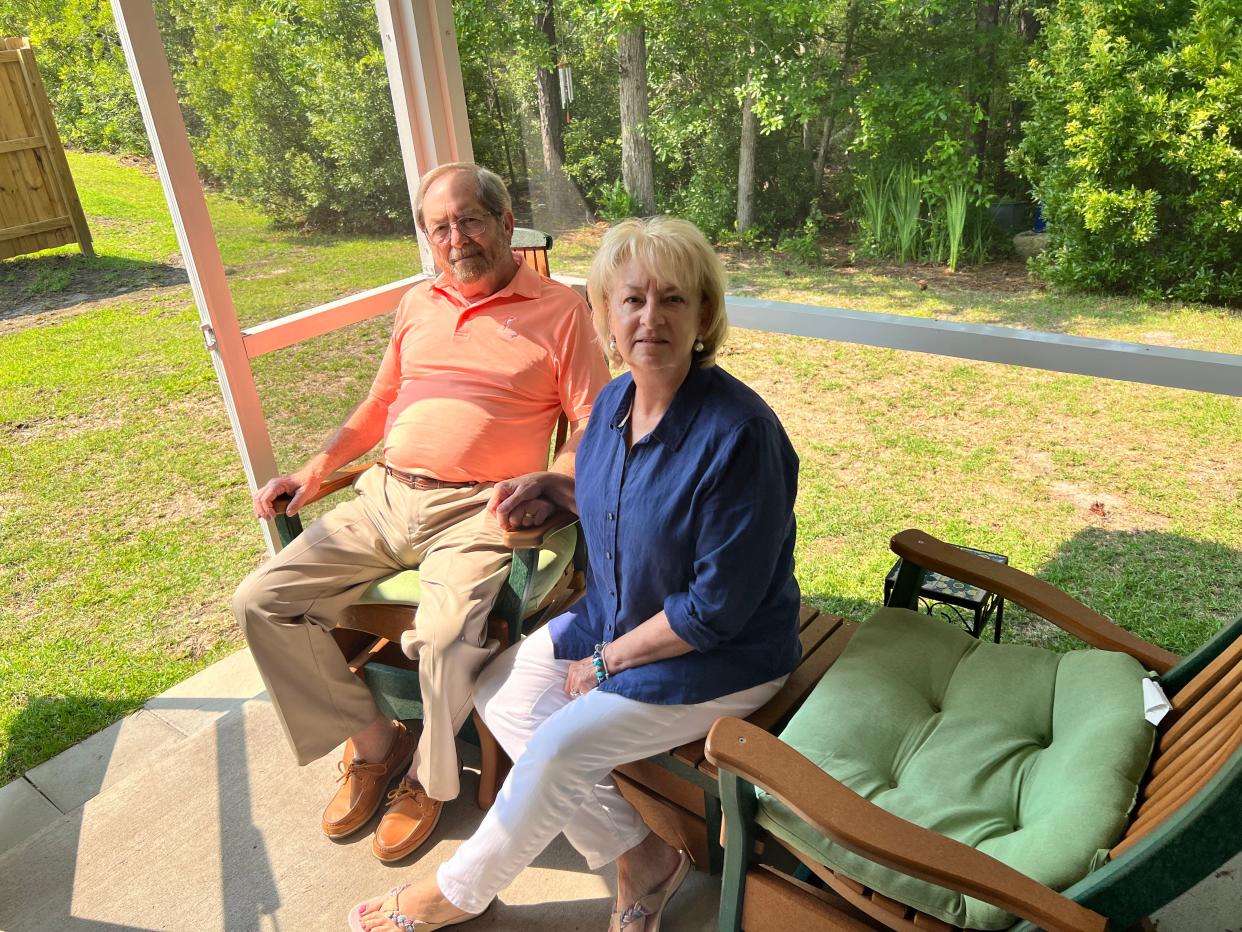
x,y
38,733
248,891
248,886
57,872
48,283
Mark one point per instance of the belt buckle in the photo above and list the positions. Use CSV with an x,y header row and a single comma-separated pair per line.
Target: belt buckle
x,y
405,478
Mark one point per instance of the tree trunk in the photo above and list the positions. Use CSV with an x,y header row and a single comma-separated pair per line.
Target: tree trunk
x,y
847,55
821,156
503,124
565,198
746,166
987,17
637,171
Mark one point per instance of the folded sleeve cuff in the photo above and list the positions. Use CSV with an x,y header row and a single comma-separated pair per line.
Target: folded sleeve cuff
x,y
686,623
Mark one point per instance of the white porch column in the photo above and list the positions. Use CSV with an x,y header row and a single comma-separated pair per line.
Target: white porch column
x,y
428,97
157,96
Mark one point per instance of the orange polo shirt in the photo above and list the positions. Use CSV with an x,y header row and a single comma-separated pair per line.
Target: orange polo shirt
x,y
474,390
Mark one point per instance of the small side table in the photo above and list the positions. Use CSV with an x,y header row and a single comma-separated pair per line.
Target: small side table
x,y
956,599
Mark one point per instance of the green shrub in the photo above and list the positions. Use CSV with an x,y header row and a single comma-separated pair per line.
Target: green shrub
x,y
83,66
1134,145
709,201
956,206
293,110
286,101
804,247
905,207
615,203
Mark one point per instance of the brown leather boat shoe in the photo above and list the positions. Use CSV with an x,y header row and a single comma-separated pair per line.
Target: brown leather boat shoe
x,y
363,785
411,818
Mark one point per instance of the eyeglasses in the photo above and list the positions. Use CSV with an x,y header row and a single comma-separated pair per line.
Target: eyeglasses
x,y
469,227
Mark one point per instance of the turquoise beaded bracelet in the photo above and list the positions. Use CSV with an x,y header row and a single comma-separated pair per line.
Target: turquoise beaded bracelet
x,y
597,661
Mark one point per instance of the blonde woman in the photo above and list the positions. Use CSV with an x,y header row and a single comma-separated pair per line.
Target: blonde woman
x,y
685,487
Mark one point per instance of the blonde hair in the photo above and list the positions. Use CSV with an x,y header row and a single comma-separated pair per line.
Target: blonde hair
x,y
493,195
674,251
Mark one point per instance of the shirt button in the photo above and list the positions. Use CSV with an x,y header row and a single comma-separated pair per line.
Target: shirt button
x,y
608,555
611,516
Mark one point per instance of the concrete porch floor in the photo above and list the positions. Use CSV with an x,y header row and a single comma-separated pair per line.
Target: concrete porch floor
x,y
191,815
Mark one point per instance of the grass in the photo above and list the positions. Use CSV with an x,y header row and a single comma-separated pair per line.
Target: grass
x,y
123,510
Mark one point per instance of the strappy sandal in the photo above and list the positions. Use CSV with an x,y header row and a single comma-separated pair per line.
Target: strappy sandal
x,y
400,919
646,912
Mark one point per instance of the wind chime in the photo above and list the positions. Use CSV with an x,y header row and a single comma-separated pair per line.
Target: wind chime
x,y
565,78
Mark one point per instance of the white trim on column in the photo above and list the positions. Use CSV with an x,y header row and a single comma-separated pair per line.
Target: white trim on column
x,y
170,146
428,97
429,100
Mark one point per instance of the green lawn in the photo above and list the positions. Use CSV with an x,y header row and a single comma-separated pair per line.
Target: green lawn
x,y
123,510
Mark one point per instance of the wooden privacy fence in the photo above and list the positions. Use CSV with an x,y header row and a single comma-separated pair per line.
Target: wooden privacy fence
x,y
39,206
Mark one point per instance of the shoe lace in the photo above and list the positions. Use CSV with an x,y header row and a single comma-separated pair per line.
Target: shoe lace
x,y
404,790
358,766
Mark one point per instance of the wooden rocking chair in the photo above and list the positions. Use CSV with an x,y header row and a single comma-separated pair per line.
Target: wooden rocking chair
x,y
1186,820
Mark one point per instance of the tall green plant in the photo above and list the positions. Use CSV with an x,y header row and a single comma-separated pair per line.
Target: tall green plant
x,y
875,192
956,206
905,208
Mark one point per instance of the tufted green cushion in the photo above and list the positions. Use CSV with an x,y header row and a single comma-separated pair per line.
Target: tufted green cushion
x,y
405,588
1031,756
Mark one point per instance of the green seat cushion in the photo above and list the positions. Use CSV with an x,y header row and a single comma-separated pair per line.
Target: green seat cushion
x,y
1031,756
405,588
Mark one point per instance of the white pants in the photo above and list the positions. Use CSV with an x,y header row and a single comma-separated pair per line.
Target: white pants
x,y
563,751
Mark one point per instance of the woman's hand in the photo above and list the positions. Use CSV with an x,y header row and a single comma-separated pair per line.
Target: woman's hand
x,y
580,678
527,501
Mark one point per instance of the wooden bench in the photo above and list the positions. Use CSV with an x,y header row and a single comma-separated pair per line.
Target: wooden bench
x,y
677,793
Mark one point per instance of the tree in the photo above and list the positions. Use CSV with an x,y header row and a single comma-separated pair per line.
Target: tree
x,y
637,162
746,166
564,196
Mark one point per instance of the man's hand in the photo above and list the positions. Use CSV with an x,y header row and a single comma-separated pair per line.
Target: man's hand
x,y
526,501
301,485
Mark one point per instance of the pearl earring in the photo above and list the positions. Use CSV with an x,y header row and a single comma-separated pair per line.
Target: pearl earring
x,y
612,343
698,345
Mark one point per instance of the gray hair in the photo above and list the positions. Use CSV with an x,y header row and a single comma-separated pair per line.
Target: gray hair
x,y
493,195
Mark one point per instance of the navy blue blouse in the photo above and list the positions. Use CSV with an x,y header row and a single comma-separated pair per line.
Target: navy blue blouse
x,y
696,519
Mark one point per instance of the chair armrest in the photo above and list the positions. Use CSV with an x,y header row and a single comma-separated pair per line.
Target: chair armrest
x,y
1199,661
836,811
1045,600
334,483
522,538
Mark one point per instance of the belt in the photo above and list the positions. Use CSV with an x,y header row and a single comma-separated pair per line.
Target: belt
x,y
424,483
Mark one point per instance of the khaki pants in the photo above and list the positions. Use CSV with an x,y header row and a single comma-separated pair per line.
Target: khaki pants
x,y
287,606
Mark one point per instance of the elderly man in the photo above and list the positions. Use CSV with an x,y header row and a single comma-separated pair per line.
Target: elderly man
x,y
481,362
